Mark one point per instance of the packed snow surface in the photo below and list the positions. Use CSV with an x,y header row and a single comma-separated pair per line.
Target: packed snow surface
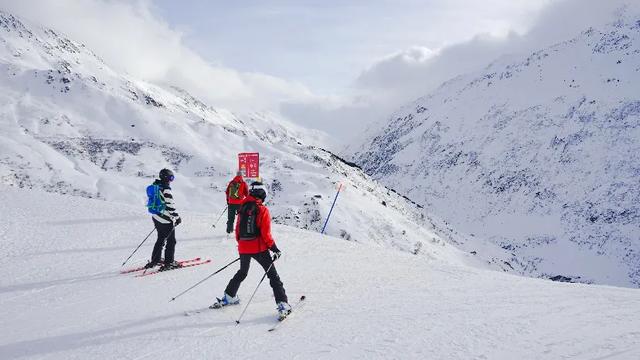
x,y
63,297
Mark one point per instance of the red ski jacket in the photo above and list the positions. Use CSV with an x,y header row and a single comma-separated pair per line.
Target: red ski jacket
x,y
262,242
243,191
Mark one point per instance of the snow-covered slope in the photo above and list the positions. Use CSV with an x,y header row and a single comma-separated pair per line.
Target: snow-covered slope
x,y
70,124
538,153
62,297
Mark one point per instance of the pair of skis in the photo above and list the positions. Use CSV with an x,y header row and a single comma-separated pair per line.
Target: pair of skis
x,y
183,264
294,308
198,261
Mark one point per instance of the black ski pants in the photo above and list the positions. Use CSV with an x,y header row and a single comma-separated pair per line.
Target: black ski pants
x,y
231,216
264,259
165,231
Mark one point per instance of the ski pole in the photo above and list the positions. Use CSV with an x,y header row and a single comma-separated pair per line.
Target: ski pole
x,y
134,251
220,217
203,280
254,292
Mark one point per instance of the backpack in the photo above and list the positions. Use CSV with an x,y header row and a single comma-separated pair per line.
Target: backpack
x,y
155,201
234,188
248,226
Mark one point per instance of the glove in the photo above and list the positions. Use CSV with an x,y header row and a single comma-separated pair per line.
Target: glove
x,y
276,252
178,221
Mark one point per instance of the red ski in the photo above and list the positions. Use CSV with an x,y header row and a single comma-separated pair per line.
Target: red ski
x,y
140,268
184,265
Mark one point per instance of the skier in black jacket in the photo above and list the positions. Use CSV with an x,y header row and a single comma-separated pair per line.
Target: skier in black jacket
x,y
165,224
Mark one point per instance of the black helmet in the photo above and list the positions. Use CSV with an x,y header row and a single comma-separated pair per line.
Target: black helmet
x,y
258,190
166,175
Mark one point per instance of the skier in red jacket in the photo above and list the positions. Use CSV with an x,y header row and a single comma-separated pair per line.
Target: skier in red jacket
x,y
235,193
253,234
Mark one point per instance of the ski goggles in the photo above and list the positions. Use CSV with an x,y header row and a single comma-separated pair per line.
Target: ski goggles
x,y
170,178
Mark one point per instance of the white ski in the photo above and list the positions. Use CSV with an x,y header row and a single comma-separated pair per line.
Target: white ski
x,y
294,308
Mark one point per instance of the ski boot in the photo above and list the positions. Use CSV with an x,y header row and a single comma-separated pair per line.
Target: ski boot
x,y
284,309
170,266
226,300
151,264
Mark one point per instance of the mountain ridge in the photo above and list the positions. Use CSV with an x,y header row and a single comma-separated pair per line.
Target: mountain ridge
x,y
535,154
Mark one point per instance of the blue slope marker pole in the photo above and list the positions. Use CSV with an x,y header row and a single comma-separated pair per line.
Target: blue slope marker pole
x,y
332,205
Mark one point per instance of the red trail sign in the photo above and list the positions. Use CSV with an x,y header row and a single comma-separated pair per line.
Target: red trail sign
x,y
249,164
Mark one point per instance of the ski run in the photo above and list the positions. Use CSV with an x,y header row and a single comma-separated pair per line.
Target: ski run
x,y
63,297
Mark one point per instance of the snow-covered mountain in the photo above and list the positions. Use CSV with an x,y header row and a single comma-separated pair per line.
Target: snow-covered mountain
x,y
538,153
72,125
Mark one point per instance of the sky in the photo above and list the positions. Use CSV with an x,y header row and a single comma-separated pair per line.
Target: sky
x,y
336,66
325,44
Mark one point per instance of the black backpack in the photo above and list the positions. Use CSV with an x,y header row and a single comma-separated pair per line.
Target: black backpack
x,y
248,227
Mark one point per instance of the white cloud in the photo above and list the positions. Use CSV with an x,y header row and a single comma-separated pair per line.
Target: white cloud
x,y
130,37
406,75
397,68
408,71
